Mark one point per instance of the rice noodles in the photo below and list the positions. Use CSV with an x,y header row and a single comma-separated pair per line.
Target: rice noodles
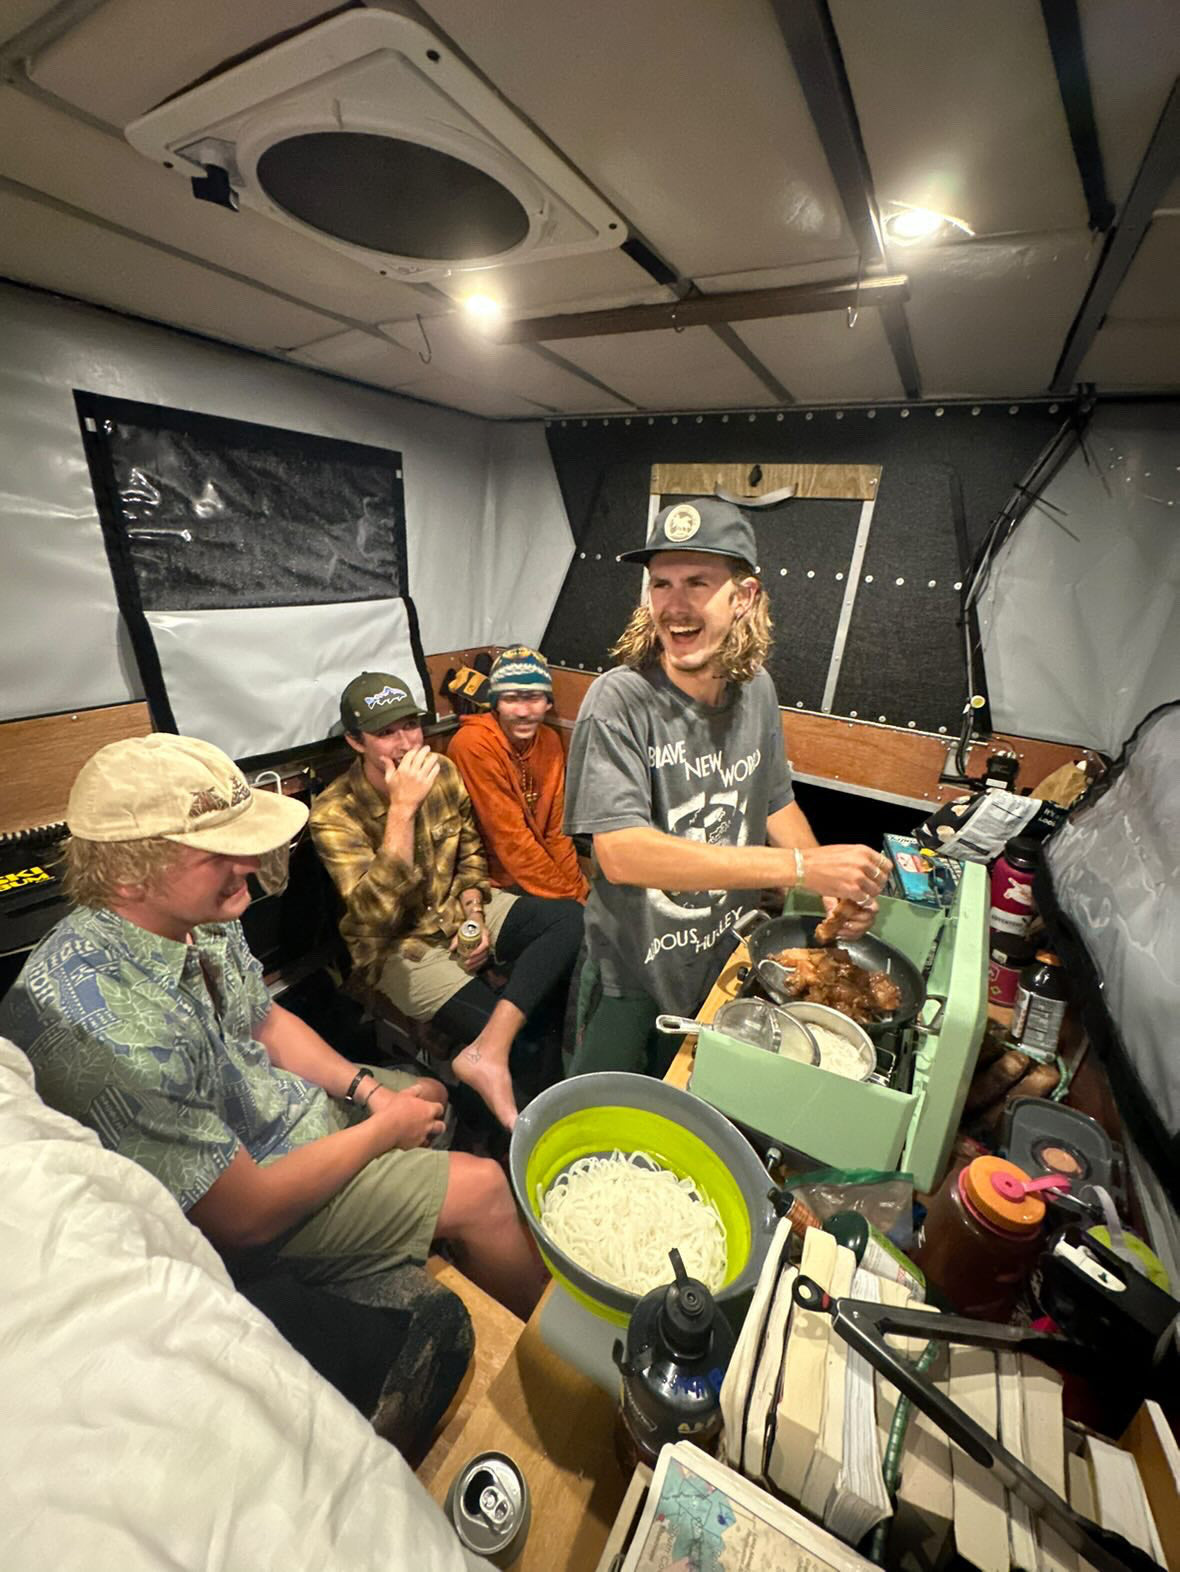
x,y
618,1217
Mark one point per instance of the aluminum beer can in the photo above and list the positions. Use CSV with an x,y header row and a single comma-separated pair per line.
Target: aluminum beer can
x,y
488,1503
470,933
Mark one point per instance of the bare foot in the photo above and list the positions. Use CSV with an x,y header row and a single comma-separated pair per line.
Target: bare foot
x,y
488,1076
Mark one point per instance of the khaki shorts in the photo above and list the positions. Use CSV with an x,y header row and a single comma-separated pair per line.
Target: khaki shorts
x,y
419,989
387,1214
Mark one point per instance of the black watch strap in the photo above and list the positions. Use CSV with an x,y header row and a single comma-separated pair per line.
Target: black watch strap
x,y
362,1071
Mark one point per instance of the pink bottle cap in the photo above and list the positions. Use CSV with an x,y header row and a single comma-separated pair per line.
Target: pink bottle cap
x,y
1014,1189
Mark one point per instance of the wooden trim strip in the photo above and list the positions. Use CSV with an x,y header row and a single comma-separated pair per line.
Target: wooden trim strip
x,y
853,482
862,755
744,305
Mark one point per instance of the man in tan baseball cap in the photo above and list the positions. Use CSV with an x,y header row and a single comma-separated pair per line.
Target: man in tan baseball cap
x,y
147,1018
181,789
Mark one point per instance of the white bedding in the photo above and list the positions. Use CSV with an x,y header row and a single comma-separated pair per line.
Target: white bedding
x,y
150,1417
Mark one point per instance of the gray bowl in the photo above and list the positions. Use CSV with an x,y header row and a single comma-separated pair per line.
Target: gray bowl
x,y
616,1090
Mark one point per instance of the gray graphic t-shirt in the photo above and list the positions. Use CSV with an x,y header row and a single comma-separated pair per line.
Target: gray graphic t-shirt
x,y
644,753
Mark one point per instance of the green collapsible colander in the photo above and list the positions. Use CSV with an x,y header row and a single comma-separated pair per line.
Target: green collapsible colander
x,y
595,1115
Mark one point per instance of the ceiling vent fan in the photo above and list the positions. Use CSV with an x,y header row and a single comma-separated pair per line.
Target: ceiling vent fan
x,y
369,133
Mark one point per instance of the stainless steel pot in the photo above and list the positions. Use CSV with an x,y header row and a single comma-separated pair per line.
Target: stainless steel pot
x,y
752,1021
844,1027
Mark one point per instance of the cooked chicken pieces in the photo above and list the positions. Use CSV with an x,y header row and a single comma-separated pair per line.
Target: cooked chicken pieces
x,y
829,926
830,976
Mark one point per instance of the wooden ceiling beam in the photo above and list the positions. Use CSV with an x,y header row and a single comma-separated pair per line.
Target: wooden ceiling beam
x,y
749,305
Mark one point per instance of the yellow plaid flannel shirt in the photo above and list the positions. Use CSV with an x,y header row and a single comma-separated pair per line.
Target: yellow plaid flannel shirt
x,y
388,905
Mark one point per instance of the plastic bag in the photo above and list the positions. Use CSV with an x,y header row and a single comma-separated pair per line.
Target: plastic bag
x,y
884,1199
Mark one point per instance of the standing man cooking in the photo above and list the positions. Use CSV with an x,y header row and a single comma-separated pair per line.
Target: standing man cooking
x,y
678,771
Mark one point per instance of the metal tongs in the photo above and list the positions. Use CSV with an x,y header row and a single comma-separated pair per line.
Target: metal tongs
x,y
864,1325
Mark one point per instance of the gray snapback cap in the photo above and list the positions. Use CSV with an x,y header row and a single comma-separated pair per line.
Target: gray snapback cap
x,y
702,524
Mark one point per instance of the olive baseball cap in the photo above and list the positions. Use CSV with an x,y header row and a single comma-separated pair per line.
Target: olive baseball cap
x,y
180,789
702,524
375,700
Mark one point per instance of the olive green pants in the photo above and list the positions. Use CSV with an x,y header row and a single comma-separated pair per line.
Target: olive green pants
x,y
386,1214
617,1031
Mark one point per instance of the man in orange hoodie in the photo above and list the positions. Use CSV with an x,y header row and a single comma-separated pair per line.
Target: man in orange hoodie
x,y
514,771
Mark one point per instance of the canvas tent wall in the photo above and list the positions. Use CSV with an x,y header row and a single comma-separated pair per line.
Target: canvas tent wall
x,y
487,538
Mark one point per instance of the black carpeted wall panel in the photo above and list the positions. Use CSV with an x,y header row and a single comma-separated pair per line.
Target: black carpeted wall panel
x,y
903,658
907,608
804,550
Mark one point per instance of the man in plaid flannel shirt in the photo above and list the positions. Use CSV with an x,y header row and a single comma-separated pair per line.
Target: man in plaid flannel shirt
x,y
397,834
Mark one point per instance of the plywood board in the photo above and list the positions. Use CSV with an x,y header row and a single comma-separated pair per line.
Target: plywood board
x,y
40,757
849,481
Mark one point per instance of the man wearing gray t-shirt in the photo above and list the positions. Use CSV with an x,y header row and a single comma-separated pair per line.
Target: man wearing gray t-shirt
x,y
678,771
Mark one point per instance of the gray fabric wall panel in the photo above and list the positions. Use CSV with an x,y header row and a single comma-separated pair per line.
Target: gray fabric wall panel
x,y
487,538
1080,613
887,672
224,669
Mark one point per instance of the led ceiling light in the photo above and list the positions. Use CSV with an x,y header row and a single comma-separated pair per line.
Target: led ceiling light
x,y
482,309
909,226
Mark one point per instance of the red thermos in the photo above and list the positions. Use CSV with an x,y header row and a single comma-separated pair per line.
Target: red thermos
x,y
1011,917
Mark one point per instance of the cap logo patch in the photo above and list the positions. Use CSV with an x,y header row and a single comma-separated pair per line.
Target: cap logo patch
x,y
207,800
682,523
387,695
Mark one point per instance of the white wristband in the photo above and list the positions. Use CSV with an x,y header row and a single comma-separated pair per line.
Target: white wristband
x,y
798,867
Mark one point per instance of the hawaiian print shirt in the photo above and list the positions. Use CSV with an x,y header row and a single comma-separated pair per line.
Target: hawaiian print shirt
x,y
151,1043
389,905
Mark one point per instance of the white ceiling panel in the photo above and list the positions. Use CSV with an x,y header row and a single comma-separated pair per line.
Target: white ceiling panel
x,y
85,167
16,15
498,370
686,114
1133,52
1135,356
39,245
667,370
360,355
959,111
989,321
821,360
460,351
128,55
445,380
1151,289
591,283
455,393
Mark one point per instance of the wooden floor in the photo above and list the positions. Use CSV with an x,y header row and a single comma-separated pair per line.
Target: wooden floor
x,y
559,1429
496,1333
556,1424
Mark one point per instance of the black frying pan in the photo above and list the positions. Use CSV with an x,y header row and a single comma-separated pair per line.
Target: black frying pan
x,y
765,936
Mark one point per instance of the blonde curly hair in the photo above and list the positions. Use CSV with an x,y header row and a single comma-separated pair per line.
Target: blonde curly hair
x,y
97,872
746,645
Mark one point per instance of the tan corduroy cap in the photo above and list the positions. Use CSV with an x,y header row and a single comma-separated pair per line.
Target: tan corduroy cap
x,y
182,789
